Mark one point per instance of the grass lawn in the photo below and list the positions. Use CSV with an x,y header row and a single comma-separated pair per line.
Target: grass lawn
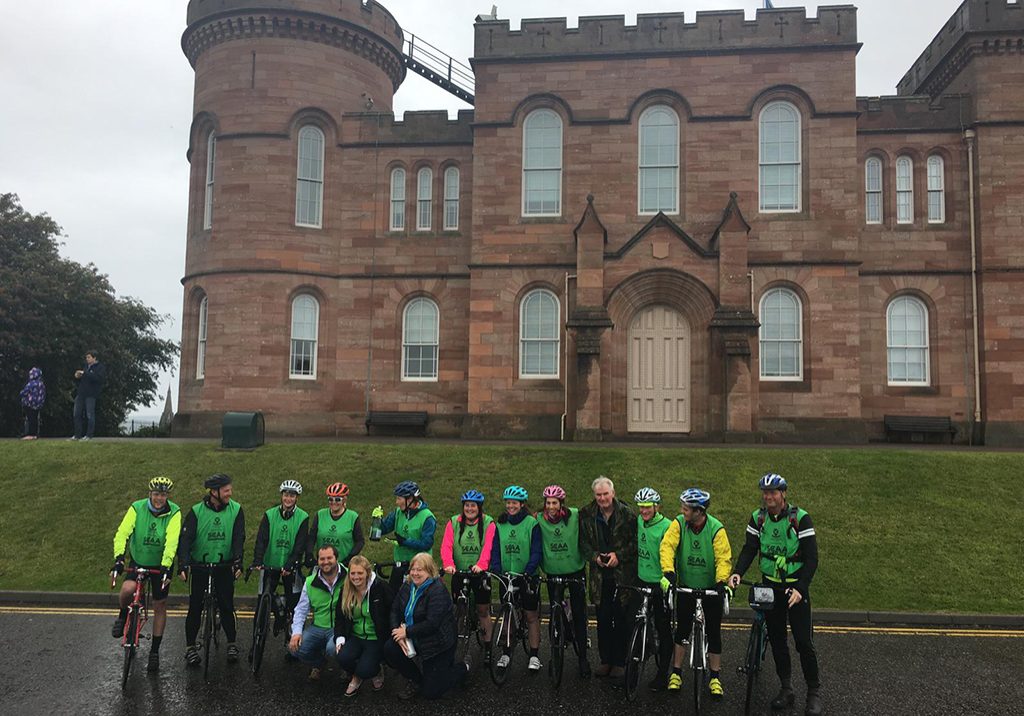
x,y
897,530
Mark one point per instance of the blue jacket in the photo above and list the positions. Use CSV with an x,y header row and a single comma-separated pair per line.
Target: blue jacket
x,y
426,541
33,395
433,629
536,549
91,382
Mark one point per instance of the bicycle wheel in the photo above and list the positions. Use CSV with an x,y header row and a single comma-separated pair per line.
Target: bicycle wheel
x,y
463,636
752,664
502,644
131,644
261,624
698,658
557,632
635,658
523,631
209,622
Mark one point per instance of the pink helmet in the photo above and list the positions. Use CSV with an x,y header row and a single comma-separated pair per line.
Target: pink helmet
x,y
554,491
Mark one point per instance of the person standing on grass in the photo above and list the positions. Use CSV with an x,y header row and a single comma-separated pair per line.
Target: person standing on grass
x,y
337,525
782,537
90,383
362,625
33,395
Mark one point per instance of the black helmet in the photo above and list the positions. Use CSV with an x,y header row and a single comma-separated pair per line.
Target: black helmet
x,y
215,482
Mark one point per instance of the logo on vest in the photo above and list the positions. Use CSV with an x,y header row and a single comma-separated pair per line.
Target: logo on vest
x,y
696,544
512,534
152,526
643,536
775,532
558,532
334,528
216,520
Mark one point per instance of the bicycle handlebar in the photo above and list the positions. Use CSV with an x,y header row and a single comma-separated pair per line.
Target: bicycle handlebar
x,y
136,571
558,579
699,593
642,590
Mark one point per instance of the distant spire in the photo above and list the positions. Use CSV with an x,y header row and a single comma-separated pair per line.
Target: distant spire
x,y
168,415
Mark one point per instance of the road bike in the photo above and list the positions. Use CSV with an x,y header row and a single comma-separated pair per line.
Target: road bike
x,y
698,661
560,630
761,599
138,615
467,621
210,624
510,628
264,609
643,642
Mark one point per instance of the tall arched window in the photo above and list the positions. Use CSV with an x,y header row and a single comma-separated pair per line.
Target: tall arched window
x,y
906,322
397,199
305,329
904,190
420,340
936,190
309,187
873,190
542,164
451,199
424,192
211,155
539,335
781,318
658,182
779,131
201,347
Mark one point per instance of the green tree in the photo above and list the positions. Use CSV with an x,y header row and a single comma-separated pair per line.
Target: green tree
x,y
53,310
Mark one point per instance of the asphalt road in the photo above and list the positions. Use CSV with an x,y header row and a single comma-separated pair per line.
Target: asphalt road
x,y
63,661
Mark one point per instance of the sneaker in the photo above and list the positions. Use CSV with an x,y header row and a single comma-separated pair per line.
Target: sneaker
x,y
85,438
192,657
813,706
314,674
408,691
153,665
715,689
117,628
784,699
72,438
658,683
534,663
675,682
584,668
232,652
505,659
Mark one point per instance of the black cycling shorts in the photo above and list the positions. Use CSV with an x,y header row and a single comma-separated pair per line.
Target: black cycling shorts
x,y
157,591
479,584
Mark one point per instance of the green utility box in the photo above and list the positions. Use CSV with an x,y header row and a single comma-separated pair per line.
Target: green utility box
x,y
242,430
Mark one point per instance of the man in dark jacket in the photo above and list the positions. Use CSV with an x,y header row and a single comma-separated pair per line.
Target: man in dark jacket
x,y
90,383
608,538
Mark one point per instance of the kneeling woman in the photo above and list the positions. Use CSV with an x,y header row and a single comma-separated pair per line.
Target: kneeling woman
x,y
423,622
362,624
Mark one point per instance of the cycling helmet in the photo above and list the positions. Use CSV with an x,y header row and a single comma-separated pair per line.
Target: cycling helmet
x,y
515,492
161,484
771,481
290,486
695,497
647,495
407,489
473,496
217,481
554,491
338,489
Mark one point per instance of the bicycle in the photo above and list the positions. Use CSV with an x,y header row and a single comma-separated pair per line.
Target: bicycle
x,y
210,624
642,642
761,599
467,622
138,615
560,625
510,628
261,617
698,660
379,568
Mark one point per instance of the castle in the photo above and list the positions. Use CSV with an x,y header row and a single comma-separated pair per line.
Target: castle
x,y
687,228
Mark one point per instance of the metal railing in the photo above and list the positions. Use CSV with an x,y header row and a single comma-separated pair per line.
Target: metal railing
x,y
440,68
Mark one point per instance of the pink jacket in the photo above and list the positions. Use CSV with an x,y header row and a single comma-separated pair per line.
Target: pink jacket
x,y
448,545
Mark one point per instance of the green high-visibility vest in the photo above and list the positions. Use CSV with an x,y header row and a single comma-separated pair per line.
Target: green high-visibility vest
x,y
150,534
283,533
213,532
515,542
410,528
695,557
321,602
561,543
338,532
648,543
779,537
468,544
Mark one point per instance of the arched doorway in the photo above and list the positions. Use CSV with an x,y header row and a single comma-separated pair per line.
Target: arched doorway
x,y
659,372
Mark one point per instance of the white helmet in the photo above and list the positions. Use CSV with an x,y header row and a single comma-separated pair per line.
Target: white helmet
x,y
291,486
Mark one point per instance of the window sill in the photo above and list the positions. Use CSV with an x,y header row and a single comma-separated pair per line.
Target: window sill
x,y
544,382
904,390
778,385
537,219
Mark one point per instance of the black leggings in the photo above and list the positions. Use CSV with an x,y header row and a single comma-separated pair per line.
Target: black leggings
x,y
612,623
578,602
269,582
800,622
224,583
686,605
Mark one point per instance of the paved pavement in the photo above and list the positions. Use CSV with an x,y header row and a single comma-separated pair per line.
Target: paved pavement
x,y
63,660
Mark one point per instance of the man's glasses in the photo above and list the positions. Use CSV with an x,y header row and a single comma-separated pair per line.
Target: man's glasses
x,y
335,499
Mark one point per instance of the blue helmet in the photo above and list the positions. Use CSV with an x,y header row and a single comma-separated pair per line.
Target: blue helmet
x,y
771,481
695,497
515,492
473,496
407,489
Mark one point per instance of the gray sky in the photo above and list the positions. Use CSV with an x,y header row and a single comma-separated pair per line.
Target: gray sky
x,y
97,102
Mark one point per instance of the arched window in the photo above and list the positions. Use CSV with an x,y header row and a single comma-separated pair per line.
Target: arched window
x,y
424,191
936,190
305,329
397,199
779,130
873,190
201,347
309,188
451,199
539,334
906,322
781,335
904,190
542,164
211,154
658,182
420,340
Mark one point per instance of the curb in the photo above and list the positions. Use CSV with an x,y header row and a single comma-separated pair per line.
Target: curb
x,y
736,613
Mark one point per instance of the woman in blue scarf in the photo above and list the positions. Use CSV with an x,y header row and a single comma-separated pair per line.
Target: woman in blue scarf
x,y
33,395
423,615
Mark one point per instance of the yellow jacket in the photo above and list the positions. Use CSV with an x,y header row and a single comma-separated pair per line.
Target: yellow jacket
x,y
124,533
670,547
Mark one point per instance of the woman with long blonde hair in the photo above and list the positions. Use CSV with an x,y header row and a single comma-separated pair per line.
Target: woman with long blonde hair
x,y
362,624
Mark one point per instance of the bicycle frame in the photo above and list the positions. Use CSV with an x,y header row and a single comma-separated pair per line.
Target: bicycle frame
x,y
138,615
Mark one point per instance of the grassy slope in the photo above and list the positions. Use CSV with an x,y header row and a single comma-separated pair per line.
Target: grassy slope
x,y
932,531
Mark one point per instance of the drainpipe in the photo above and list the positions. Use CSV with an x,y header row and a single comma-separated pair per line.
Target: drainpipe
x,y
565,371
750,275
969,138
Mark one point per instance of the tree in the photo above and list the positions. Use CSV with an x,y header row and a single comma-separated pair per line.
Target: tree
x,y
53,310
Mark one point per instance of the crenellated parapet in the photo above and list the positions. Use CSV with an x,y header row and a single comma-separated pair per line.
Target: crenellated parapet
x,y
363,27
978,27
915,113
666,33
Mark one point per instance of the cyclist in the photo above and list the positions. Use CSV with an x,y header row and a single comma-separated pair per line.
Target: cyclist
x,y
213,529
562,555
696,549
337,525
320,595
280,541
608,535
517,548
149,532
782,535
466,547
651,526
413,524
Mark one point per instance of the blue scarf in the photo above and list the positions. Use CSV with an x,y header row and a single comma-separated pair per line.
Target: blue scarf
x,y
414,596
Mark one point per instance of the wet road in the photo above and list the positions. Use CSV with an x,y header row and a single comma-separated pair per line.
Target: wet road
x,y
64,661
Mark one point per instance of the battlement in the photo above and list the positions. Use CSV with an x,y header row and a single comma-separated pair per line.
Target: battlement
x,y
1000,21
665,33
430,127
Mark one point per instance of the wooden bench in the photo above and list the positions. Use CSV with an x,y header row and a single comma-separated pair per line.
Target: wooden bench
x,y
396,419
919,424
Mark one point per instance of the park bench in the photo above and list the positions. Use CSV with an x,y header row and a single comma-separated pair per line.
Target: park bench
x,y
396,419
910,424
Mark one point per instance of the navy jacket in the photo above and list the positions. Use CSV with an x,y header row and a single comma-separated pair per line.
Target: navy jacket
x,y
91,382
433,628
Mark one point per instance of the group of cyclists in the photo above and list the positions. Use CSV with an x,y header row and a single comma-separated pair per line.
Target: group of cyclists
x,y
347,611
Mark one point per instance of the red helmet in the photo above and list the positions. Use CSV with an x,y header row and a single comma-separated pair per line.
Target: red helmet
x,y
338,489
554,491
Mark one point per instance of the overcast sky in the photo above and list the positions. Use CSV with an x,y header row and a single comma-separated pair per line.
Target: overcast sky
x,y
97,100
